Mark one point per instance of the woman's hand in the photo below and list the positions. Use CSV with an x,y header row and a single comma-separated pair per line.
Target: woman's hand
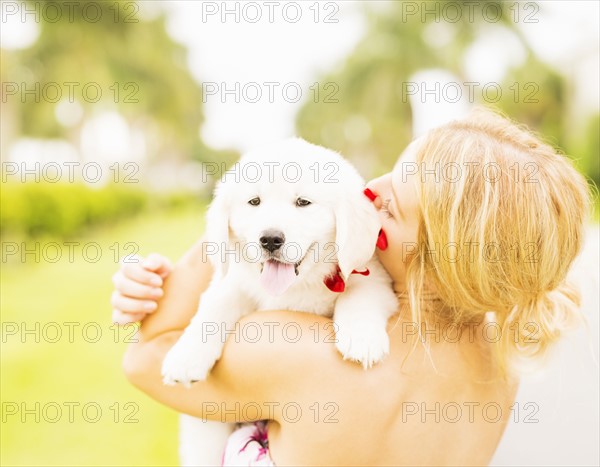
x,y
281,363
138,286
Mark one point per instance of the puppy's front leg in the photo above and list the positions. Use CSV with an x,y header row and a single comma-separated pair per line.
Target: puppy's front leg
x,y
201,344
202,442
361,315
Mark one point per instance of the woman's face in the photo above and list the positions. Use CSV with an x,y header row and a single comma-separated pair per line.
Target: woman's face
x,y
398,209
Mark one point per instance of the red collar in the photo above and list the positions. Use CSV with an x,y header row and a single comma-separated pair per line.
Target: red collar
x,y
335,283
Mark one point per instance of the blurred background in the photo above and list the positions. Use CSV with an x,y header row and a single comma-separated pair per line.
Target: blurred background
x,y
117,118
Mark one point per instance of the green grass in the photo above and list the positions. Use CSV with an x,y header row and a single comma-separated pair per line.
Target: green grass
x,y
81,372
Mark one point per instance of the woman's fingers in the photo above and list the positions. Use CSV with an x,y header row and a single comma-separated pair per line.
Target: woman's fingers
x,y
158,264
138,273
138,285
132,305
133,289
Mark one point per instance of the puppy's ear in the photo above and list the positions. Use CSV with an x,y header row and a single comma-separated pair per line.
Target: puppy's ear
x,y
217,227
357,227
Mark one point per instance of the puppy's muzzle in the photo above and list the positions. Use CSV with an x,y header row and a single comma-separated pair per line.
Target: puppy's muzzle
x,y
272,240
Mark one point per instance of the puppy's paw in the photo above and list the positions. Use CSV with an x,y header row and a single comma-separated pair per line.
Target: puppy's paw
x,y
362,341
185,364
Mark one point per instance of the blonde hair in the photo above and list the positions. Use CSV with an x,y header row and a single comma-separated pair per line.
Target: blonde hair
x,y
504,214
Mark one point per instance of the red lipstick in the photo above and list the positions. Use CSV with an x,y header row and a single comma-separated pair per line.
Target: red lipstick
x,y
382,242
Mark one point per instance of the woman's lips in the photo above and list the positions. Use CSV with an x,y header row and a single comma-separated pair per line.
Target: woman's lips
x,y
382,242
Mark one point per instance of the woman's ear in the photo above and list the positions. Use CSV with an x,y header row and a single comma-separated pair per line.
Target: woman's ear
x,y
217,227
357,227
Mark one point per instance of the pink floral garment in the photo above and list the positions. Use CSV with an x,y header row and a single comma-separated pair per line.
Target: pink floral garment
x,y
248,445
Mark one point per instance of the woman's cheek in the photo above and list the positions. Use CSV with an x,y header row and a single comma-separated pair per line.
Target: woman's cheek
x,y
399,239
390,259
386,260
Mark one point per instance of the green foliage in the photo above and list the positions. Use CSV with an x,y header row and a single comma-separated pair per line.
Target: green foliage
x,y
590,152
64,210
536,95
154,89
371,85
585,144
394,48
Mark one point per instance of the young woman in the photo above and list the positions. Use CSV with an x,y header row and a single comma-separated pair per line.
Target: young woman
x,y
482,221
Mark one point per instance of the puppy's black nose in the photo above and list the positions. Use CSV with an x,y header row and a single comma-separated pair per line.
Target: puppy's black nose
x,y
272,240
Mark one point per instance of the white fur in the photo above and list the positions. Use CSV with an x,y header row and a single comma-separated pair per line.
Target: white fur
x,y
339,227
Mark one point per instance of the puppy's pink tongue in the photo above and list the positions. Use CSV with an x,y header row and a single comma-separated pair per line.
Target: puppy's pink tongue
x,y
276,277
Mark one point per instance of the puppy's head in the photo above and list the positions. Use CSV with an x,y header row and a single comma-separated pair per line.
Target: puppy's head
x,y
289,206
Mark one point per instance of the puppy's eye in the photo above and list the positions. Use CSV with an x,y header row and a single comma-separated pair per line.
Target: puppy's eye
x,y
254,201
301,202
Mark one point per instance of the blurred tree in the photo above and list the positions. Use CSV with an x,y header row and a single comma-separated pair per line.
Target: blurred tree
x,y
586,145
372,118
141,72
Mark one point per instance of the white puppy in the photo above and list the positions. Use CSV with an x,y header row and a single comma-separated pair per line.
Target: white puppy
x,y
288,226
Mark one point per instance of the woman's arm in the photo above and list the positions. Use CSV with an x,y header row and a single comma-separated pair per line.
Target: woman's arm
x,y
181,295
262,366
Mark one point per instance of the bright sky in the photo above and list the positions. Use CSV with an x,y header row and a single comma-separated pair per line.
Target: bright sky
x,y
274,53
281,52
225,51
